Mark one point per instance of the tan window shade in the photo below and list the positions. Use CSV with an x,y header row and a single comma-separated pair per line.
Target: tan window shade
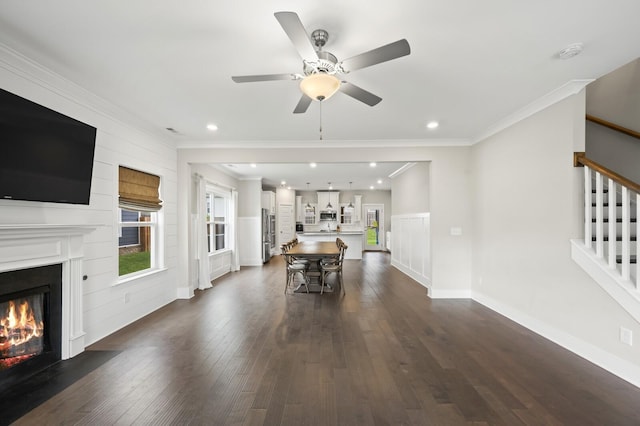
x,y
139,190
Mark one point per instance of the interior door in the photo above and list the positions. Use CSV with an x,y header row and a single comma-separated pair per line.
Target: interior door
x,y
373,215
286,223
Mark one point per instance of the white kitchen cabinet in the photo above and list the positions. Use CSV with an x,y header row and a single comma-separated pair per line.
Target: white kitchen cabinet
x,y
357,206
347,214
311,216
326,197
299,209
269,201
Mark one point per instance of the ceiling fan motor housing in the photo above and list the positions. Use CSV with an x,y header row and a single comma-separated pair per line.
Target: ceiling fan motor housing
x,y
326,63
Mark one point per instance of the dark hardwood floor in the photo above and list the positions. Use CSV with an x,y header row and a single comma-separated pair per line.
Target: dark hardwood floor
x,y
243,353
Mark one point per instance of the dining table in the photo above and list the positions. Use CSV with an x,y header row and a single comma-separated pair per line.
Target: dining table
x,y
314,251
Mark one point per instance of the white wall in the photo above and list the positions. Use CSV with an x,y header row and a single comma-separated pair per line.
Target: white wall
x,y
410,190
527,206
250,198
250,222
411,230
108,306
614,150
614,97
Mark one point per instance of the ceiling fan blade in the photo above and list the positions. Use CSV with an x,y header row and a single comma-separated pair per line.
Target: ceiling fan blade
x,y
381,54
303,104
264,77
292,25
360,94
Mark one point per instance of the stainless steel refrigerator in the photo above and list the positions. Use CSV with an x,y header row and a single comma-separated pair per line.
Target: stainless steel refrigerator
x,y
268,235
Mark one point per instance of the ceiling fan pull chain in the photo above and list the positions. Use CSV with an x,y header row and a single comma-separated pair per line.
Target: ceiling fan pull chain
x,y
320,120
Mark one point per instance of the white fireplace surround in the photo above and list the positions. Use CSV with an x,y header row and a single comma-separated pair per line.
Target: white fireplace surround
x,y
27,246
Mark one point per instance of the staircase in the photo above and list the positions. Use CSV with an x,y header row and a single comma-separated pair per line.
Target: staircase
x,y
609,250
614,227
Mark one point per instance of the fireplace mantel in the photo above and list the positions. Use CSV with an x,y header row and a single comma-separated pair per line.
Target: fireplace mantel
x,y
43,230
30,245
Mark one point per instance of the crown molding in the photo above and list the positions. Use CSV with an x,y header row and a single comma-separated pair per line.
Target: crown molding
x,y
324,144
570,88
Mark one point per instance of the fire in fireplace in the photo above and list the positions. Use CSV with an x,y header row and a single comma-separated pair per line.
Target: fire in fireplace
x,y
30,321
21,329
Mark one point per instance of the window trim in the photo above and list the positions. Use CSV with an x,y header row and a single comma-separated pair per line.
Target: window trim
x,y
217,192
156,226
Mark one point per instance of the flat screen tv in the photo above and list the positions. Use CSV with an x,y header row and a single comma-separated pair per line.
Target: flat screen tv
x,y
44,155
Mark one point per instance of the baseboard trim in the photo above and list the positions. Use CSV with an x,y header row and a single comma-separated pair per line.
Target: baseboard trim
x,y
449,294
425,281
613,364
184,293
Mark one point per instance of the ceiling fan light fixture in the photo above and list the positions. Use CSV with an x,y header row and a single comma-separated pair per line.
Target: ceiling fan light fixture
x,y
320,86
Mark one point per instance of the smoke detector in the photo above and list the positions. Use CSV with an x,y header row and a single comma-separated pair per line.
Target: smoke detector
x,y
571,51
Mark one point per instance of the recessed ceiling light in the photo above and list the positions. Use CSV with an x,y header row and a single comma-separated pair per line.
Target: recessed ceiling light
x,y
312,165
212,127
283,183
570,51
432,125
372,164
371,187
379,181
253,165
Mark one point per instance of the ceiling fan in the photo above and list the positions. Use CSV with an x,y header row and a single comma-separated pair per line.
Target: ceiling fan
x,y
320,77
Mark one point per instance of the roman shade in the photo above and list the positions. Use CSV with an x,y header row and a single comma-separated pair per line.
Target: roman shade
x,y
139,190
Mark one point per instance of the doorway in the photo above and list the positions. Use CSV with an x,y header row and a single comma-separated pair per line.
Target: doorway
x,y
286,223
373,215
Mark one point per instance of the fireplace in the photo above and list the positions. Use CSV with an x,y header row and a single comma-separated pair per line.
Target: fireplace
x,y
30,321
41,277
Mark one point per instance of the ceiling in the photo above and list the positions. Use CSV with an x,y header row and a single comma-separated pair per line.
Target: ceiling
x,y
168,64
340,176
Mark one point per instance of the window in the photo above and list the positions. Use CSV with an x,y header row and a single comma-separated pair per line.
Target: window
x,y
139,206
217,221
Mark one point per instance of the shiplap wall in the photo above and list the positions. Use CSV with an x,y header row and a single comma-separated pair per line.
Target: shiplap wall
x,y
108,305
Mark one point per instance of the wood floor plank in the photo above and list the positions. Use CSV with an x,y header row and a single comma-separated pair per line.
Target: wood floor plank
x,y
243,353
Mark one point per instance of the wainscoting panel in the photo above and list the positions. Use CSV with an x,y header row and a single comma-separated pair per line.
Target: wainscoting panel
x,y
219,264
411,246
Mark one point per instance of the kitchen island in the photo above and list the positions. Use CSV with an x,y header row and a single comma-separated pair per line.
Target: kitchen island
x,y
353,239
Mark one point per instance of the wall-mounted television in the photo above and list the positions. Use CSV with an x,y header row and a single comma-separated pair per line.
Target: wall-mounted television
x,y
44,155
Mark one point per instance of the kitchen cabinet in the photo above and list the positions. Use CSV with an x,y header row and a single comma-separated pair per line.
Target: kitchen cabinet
x,y
306,212
352,239
347,214
327,197
351,215
299,210
357,207
269,201
311,216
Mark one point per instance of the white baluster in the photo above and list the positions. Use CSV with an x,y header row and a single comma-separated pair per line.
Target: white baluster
x,y
599,213
637,243
587,207
612,252
626,243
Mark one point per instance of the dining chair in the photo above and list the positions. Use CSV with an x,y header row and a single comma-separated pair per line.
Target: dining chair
x,y
293,268
292,244
334,266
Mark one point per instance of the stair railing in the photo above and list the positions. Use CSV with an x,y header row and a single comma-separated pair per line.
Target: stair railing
x,y
629,195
